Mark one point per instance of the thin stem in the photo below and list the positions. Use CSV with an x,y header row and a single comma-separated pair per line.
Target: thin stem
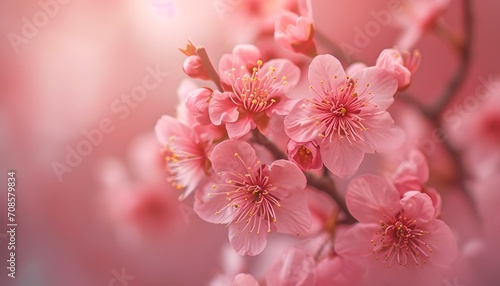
x,y
324,183
465,60
434,114
205,59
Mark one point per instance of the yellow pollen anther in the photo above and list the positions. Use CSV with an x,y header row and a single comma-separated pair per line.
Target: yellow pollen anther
x,y
343,110
273,69
214,186
283,78
254,101
236,154
259,62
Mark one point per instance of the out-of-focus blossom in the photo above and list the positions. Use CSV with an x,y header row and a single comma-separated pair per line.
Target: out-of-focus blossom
x,y
255,95
400,234
186,154
294,267
296,33
253,199
244,279
232,264
419,16
338,271
475,129
306,155
346,115
400,65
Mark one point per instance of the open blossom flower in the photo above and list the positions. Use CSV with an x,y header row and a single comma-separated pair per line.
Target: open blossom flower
x,y
296,33
186,154
346,115
254,95
252,198
400,234
400,65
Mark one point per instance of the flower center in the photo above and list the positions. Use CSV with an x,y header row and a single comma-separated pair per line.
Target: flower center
x,y
338,113
251,197
253,92
401,240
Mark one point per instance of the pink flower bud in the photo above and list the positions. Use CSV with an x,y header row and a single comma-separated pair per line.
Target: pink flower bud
x,y
305,155
400,65
194,68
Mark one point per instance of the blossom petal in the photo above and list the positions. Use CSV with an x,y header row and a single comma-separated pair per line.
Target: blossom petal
x,y
286,177
377,85
418,206
293,216
167,126
355,241
284,68
294,267
245,242
341,157
240,127
370,198
299,123
441,241
233,156
222,109
214,208
382,134
326,74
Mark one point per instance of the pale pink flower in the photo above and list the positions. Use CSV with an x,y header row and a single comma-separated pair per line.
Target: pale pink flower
x,y
244,279
400,234
294,267
252,198
412,174
419,16
346,115
194,68
296,33
306,155
400,65
193,65
254,95
186,154
197,104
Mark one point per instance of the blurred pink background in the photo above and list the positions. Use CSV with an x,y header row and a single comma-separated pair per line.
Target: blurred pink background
x,y
71,75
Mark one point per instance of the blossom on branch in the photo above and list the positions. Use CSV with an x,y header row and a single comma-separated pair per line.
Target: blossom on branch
x,y
252,198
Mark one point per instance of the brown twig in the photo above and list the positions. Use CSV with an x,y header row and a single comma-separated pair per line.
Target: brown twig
x,y
205,59
324,183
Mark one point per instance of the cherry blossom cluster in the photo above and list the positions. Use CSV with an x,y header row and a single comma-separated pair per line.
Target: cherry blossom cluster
x,y
262,138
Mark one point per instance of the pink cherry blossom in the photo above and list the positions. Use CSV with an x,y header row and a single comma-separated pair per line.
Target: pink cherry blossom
x,y
252,198
186,154
399,65
338,271
254,95
346,115
305,155
296,33
400,234
294,267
